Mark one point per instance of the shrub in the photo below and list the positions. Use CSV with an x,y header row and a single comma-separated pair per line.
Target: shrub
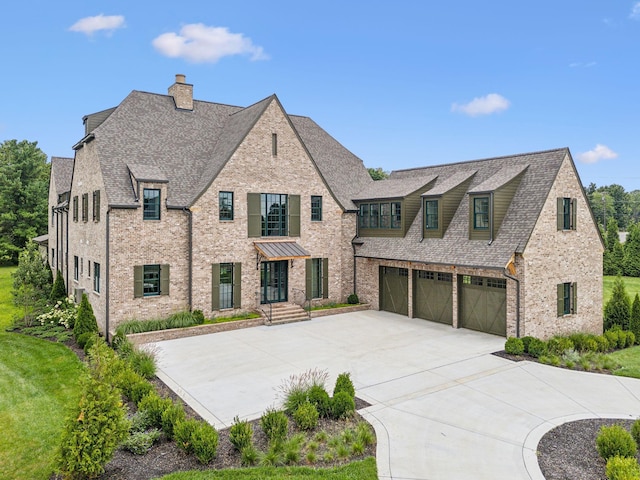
x,y
635,431
83,339
584,342
353,299
364,434
198,317
344,384
603,343
58,290
173,414
154,406
550,359
615,440
140,443
249,456
617,311
306,416
86,320
205,442
291,450
631,339
559,345
525,342
319,398
634,324
622,468
514,346
274,424
140,422
342,405
183,433
537,347
142,362
240,434
294,400
93,431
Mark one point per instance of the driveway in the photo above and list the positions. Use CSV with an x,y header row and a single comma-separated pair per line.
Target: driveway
x,y
442,406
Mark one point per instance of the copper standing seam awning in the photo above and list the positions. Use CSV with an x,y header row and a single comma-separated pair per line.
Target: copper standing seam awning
x,y
273,251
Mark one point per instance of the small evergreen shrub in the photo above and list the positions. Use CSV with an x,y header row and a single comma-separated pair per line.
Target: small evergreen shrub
x,y
344,384
306,416
86,320
635,431
140,443
537,347
631,339
342,405
240,434
612,337
205,442
584,342
173,414
274,424
83,340
603,343
353,299
58,290
138,390
154,406
319,398
183,434
142,362
249,456
525,343
514,346
622,468
615,440
198,317
559,345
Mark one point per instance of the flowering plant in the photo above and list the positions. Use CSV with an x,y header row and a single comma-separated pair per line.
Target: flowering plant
x,y
62,313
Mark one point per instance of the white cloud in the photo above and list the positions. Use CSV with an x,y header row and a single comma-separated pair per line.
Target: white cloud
x,y
199,43
582,65
600,152
492,103
90,25
635,11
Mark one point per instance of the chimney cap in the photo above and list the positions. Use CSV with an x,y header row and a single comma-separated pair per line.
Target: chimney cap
x,y
180,78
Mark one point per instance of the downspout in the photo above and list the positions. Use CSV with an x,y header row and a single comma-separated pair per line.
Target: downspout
x,y
508,275
106,293
490,218
190,256
66,247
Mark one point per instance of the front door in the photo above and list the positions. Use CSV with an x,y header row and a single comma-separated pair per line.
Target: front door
x,y
273,282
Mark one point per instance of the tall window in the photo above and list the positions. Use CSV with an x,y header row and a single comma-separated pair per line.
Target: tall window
x,y
431,214
316,208
374,215
396,214
274,214
364,215
96,277
76,268
151,280
316,278
481,213
274,144
566,213
567,298
151,204
96,205
85,207
385,215
75,208
226,285
225,204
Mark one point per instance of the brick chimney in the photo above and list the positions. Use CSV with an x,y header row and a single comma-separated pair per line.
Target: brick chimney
x,y
182,93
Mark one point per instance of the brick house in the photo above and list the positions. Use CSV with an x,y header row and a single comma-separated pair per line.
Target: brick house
x,y
178,204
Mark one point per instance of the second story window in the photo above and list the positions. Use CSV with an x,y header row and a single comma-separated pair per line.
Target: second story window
x,y
431,214
75,208
316,208
566,213
151,204
225,204
274,209
481,213
96,205
381,215
85,207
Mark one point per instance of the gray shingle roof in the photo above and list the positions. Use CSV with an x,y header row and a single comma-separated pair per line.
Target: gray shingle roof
x,y
149,136
443,185
62,173
455,248
394,187
498,179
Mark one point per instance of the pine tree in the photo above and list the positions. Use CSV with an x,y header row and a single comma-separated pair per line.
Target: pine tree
x,y
618,308
614,254
86,321
631,264
635,318
59,291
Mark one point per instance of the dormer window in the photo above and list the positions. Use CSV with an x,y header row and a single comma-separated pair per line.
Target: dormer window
x,y
151,204
431,220
481,213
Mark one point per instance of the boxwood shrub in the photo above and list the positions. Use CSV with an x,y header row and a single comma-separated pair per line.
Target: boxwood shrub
x,y
614,441
514,346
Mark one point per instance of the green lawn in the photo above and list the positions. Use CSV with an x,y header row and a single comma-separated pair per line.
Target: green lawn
x,y
7,308
632,285
363,470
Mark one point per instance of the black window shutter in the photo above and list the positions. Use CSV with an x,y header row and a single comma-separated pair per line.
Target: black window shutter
x,y
254,216
294,215
325,278
560,288
237,285
560,213
215,286
308,278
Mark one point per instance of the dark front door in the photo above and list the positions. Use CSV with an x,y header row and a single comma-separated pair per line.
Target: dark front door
x,y
273,282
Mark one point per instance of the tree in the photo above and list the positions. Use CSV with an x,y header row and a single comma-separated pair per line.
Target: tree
x,y
631,264
59,291
635,318
31,282
24,188
86,322
378,173
617,311
614,253
620,204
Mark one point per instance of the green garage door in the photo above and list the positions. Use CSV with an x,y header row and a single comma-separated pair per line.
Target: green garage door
x,y
394,290
432,296
483,304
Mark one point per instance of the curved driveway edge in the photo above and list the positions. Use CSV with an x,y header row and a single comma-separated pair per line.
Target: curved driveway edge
x,y
442,406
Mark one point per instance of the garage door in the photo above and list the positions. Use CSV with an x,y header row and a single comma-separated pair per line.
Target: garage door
x,y
432,296
483,304
394,290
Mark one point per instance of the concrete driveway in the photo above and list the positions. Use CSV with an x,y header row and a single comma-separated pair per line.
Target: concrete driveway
x,y
442,406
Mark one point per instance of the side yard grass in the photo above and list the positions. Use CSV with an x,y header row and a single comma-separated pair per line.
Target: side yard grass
x,y
7,308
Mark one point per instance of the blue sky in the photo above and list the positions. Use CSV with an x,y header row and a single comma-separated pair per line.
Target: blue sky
x,y
401,84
